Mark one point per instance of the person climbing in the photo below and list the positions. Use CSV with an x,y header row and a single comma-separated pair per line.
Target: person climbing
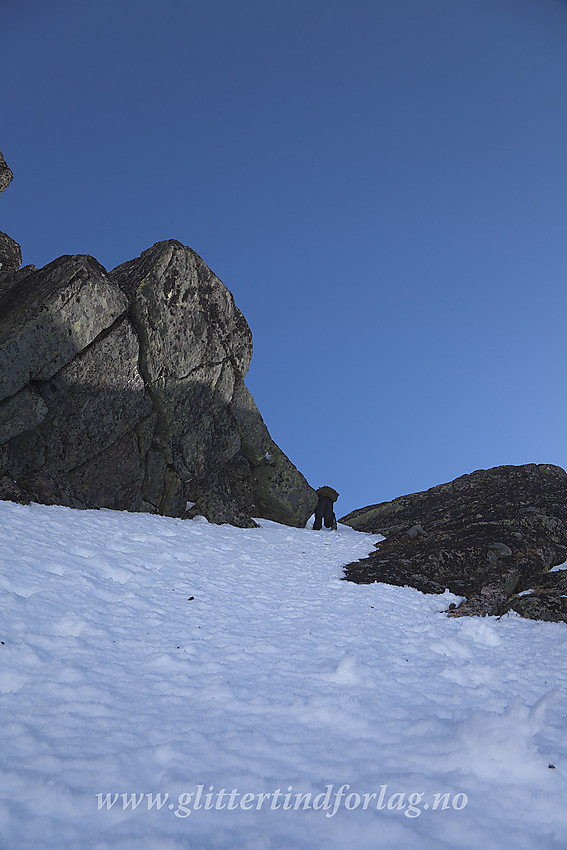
x,y
324,511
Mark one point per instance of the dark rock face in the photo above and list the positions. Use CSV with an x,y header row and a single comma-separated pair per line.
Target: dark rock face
x,y
10,254
125,390
10,251
491,537
5,174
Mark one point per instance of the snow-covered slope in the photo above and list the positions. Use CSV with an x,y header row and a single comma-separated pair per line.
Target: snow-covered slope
x,y
275,705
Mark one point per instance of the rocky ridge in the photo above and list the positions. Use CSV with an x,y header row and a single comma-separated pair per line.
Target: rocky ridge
x,y
125,390
493,537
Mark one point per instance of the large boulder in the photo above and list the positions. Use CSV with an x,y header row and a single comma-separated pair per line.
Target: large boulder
x,y
491,537
195,351
125,390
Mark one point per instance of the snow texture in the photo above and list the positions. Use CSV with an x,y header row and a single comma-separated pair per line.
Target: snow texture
x,y
275,705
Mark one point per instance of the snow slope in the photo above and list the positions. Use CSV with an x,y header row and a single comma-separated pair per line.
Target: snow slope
x,y
275,705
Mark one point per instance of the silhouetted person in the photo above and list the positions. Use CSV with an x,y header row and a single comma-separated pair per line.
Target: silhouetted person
x,y
324,511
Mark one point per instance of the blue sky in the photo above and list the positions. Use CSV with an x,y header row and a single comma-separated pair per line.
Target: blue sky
x,y
382,185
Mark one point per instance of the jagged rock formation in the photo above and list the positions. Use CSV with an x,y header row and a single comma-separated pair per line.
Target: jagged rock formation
x,y
491,536
5,174
10,251
126,390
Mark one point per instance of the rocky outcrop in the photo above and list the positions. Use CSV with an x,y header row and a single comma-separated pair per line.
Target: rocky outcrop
x,y
195,351
10,254
5,174
126,390
10,251
492,537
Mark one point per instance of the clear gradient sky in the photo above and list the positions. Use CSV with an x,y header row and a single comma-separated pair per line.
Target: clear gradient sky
x,y
382,184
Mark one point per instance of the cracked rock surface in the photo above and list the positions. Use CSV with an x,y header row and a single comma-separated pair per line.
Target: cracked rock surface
x,y
125,390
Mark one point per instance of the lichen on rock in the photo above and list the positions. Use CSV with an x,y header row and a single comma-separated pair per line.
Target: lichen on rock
x,y
490,536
